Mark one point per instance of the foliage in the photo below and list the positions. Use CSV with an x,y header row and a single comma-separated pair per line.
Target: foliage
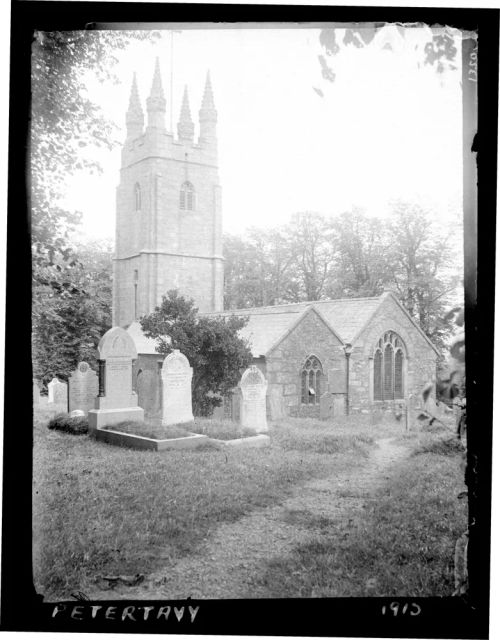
x,y
349,255
437,47
211,344
69,325
75,426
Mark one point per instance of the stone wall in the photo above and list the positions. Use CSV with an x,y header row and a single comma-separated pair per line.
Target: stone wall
x,y
420,357
284,365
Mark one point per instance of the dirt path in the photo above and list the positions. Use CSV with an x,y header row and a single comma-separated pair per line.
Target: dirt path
x,y
226,565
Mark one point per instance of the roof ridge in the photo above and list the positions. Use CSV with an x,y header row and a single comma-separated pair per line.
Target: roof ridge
x,y
303,302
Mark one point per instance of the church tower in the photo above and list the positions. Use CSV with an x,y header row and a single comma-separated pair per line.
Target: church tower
x,y
168,208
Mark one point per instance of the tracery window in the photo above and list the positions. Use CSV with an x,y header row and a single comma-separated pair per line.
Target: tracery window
x,y
388,367
137,196
187,200
311,380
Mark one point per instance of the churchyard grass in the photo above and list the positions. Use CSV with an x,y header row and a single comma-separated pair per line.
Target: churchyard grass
x,y
101,510
403,545
221,429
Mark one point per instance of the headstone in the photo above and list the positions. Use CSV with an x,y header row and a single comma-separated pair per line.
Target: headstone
x,y
326,406
77,413
253,387
36,393
276,403
58,394
147,391
117,400
176,375
83,388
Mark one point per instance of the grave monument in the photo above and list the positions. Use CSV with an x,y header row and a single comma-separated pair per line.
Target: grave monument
x,y
253,386
117,400
176,375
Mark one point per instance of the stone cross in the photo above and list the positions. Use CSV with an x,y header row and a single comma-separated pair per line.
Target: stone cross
x,y
58,393
83,388
253,387
176,375
117,400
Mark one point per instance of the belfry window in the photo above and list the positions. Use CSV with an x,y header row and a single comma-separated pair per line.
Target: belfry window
x,y
311,381
187,199
137,196
388,359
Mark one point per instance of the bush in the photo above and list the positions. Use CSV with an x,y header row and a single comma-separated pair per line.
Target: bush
x,y
62,422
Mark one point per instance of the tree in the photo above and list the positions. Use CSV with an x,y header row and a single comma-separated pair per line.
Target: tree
x,y
360,267
211,344
66,129
418,259
70,323
312,248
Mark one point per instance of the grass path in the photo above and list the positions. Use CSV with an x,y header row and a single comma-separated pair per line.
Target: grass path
x,y
231,561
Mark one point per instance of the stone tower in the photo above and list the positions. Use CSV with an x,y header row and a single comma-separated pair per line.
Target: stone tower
x,y
168,208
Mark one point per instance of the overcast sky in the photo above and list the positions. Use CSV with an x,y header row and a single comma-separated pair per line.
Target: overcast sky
x,y
387,128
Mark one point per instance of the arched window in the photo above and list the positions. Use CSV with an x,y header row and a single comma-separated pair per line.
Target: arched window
x,y
137,196
311,381
187,200
388,362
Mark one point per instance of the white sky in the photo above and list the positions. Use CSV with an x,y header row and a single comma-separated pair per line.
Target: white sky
x,y
385,129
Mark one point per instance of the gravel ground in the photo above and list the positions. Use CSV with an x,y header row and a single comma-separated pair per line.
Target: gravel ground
x,y
232,558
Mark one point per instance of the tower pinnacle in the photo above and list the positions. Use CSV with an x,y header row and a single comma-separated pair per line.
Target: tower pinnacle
x,y
185,127
208,114
156,103
135,115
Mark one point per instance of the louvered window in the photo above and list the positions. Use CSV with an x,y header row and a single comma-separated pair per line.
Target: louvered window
x,y
388,365
187,199
311,381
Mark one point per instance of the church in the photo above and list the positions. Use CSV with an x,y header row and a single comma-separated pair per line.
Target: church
x,y
323,358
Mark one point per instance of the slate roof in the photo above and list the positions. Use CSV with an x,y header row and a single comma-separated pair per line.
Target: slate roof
x,y
347,316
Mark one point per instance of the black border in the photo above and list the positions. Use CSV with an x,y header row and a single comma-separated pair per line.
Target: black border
x,y
21,608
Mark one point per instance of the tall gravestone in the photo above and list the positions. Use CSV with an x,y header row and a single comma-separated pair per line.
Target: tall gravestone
x,y
253,386
117,400
58,394
176,375
83,388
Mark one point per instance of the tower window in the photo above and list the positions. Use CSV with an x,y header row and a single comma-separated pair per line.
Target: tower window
x,y
137,196
187,197
388,368
311,381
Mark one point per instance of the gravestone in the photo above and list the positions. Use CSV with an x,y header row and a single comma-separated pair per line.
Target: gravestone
x,y
176,375
36,393
253,386
58,394
147,391
117,400
276,403
83,388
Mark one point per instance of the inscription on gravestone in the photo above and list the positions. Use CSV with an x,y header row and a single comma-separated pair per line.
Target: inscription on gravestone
x,y
176,377
253,387
83,388
117,401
